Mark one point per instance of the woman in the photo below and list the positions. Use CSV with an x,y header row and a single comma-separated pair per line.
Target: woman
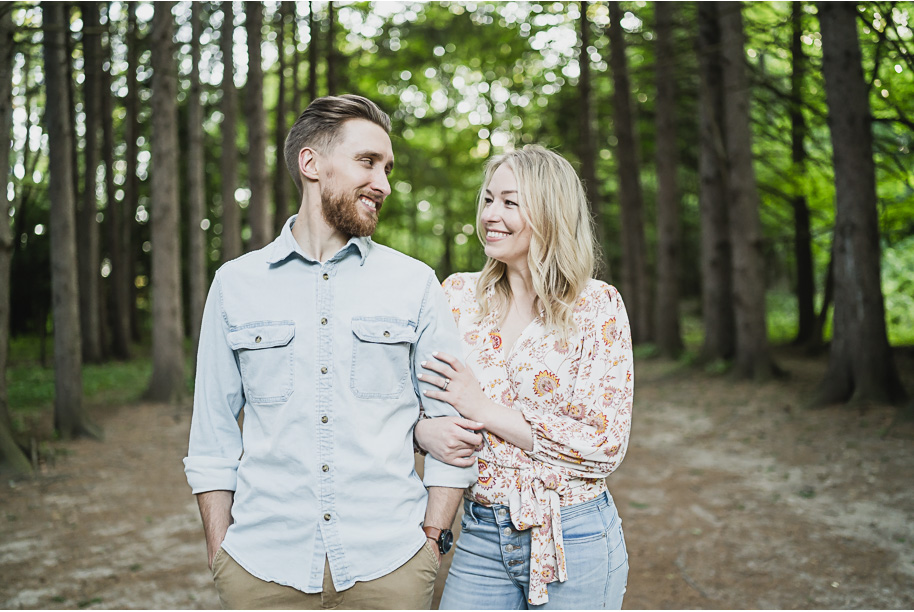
x,y
549,372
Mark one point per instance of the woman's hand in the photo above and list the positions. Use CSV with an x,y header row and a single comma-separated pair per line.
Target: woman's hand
x,y
449,439
457,385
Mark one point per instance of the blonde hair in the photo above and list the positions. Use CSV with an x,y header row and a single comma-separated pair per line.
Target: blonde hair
x,y
562,254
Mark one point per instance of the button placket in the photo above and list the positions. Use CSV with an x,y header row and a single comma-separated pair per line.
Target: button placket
x,y
509,540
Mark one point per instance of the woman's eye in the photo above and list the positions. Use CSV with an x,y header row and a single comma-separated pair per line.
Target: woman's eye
x,y
510,203
368,161
487,201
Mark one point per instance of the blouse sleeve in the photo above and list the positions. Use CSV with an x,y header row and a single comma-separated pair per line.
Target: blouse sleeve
x,y
587,433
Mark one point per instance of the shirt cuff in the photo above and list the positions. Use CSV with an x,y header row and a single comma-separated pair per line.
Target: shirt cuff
x,y
440,474
211,474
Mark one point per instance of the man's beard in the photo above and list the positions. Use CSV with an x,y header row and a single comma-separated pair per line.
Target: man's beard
x,y
343,213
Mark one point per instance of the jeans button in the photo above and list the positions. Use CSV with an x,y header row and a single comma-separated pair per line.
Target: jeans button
x,y
507,531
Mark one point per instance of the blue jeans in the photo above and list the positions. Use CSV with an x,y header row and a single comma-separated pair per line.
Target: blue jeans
x,y
491,566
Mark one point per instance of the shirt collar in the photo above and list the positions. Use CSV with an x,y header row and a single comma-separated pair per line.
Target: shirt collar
x,y
285,245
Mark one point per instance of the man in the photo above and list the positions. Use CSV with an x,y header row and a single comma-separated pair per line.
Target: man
x,y
318,337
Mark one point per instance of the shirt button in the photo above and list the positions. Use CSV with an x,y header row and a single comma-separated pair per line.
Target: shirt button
x,y
324,321
387,334
327,517
326,276
324,419
507,531
258,339
324,370
325,468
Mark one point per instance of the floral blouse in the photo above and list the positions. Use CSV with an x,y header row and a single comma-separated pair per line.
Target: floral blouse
x,y
577,397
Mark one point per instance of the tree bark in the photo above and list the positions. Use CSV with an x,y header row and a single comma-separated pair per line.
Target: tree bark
x,y
118,279
167,384
332,84
753,358
131,183
88,244
296,65
718,319
69,418
11,456
313,53
635,281
588,141
281,178
196,189
668,336
802,242
258,209
861,367
231,212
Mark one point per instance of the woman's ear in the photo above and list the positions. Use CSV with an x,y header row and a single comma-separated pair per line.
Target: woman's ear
x,y
307,164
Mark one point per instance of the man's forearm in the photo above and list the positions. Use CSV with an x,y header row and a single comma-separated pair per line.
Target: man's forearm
x,y
216,512
442,506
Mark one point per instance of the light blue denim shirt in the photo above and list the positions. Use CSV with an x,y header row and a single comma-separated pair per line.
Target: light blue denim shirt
x,y
323,359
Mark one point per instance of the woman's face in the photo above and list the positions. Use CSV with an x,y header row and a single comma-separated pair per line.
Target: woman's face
x,y
507,233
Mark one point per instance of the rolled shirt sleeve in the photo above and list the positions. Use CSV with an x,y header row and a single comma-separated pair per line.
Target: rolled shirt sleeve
x,y
438,332
215,444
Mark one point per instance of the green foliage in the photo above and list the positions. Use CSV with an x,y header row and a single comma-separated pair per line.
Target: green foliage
x,y
31,386
898,289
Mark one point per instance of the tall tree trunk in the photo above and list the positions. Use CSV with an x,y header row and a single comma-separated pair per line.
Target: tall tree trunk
x,y
313,53
802,240
167,384
131,182
231,212
11,456
69,418
332,84
668,337
753,357
588,141
258,209
196,189
296,64
636,285
718,319
118,279
281,175
860,366
87,231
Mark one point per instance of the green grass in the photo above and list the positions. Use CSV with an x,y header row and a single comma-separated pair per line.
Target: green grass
x,y
31,386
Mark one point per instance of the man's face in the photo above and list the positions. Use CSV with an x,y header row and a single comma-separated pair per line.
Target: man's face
x,y
355,180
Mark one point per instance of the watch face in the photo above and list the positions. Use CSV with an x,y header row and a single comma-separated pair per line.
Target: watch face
x,y
445,541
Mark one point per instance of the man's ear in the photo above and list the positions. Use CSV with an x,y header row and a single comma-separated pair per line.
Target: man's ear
x,y
307,164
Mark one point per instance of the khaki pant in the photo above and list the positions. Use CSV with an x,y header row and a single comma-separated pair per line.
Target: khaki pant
x,y
409,587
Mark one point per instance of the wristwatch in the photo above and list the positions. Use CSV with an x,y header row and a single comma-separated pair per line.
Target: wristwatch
x,y
443,537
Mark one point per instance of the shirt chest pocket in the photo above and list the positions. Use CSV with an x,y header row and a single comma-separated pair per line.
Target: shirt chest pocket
x,y
380,356
265,355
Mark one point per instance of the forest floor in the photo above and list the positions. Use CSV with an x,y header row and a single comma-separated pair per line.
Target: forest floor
x,y
732,495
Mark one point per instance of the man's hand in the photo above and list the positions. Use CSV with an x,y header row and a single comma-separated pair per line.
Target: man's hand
x,y
216,512
450,439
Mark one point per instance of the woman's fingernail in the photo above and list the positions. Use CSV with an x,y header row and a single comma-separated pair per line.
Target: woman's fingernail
x,y
423,363
435,354
424,392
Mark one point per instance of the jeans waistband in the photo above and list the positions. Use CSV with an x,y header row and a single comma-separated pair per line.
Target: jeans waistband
x,y
501,514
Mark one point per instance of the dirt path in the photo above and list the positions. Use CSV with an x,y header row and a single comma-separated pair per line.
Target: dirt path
x,y
732,496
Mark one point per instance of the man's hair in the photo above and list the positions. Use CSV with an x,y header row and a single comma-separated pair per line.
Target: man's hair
x,y
319,125
563,250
